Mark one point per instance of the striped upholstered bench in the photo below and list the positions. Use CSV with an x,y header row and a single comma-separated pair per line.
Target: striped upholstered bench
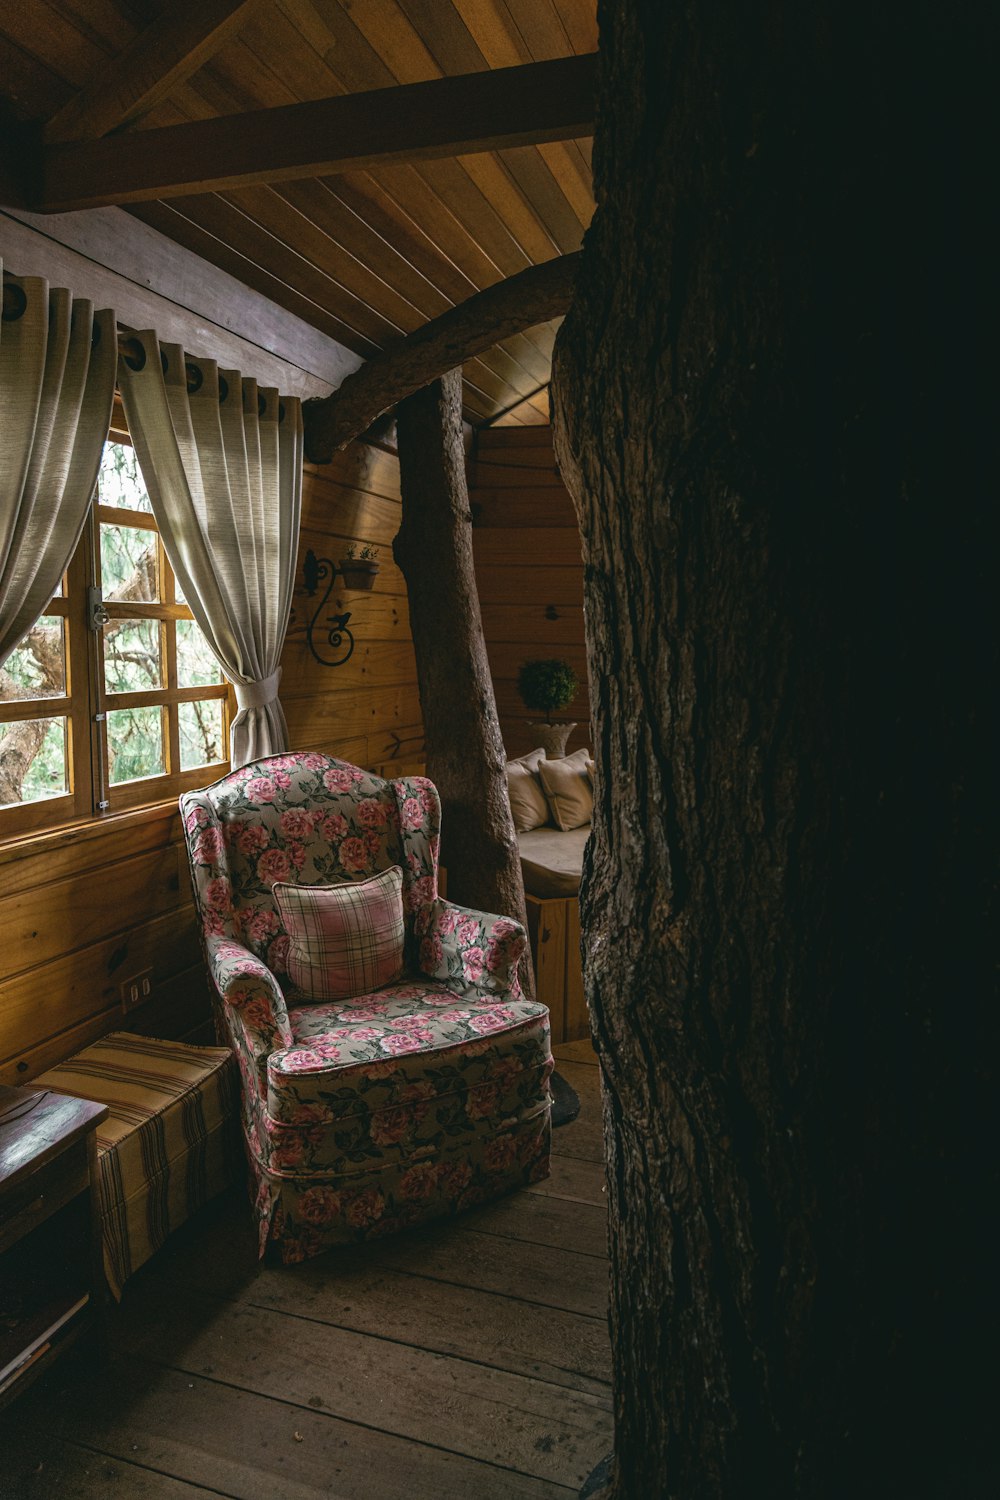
x,y
170,1142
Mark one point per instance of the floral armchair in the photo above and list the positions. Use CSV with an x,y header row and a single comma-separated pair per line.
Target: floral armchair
x,y
363,1116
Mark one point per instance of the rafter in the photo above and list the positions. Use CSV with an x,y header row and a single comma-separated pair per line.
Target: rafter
x,y
546,101
533,296
172,49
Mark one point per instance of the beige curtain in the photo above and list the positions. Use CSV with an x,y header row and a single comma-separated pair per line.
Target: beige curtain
x,y
57,383
222,460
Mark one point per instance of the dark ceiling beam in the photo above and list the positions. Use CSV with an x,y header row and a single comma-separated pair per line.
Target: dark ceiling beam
x,y
522,301
545,101
165,54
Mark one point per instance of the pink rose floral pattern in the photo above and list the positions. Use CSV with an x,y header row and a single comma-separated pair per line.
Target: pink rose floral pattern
x,y
366,1116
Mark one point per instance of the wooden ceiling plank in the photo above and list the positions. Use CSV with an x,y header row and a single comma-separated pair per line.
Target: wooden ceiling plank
x,y
176,226
30,86
446,35
415,191
579,17
166,53
545,197
273,52
573,175
468,330
473,211
391,34
232,226
360,194
443,118
498,39
540,24
342,224
387,45
506,378
44,35
503,37
291,227
518,215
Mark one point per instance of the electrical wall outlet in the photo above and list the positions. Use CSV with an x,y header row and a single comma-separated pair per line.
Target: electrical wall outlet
x,y
136,989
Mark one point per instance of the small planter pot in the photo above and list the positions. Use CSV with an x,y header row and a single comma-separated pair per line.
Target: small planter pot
x,y
552,737
358,572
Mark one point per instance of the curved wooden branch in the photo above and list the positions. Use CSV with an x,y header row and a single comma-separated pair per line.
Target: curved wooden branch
x,y
532,296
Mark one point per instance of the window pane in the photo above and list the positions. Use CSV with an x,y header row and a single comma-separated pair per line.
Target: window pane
x,y
133,661
202,730
37,669
196,666
120,482
129,565
135,744
32,760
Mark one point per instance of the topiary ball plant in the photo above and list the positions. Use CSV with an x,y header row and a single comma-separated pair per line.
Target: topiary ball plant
x,y
547,686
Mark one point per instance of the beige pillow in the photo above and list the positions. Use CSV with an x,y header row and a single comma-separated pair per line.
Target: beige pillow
x,y
567,788
527,800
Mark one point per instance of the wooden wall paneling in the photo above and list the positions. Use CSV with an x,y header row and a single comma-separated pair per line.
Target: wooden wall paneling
x,y
506,658
533,625
180,1010
82,910
497,508
529,569
368,709
555,586
505,546
41,1002
547,935
347,713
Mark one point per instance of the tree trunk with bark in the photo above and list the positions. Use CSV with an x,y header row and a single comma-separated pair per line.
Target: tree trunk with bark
x,y
465,754
763,410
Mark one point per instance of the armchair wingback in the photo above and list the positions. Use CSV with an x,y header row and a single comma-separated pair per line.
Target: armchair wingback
x,y
367,1114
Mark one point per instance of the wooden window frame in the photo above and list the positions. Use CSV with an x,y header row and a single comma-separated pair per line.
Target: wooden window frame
x,y
86,702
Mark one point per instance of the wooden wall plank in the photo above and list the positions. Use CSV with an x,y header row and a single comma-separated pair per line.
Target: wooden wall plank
x,y
47,999
529,570
83,910
555,586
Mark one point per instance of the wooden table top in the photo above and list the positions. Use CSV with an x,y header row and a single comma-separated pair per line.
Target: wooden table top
x,y
36,1124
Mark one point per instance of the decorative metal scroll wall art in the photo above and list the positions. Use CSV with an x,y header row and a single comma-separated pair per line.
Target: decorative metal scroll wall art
x,y
339,643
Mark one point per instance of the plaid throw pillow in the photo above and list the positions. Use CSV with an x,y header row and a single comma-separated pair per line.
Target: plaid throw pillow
x,y
344,940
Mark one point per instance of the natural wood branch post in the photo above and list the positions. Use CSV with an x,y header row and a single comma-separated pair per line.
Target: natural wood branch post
x,y
522,301
465,754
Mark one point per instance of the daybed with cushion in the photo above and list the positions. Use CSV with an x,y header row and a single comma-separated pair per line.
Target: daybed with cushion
x,y
551,802
391,1069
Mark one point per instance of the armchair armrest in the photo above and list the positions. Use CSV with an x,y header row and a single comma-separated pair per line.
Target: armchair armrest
x,y
470,951
254,1006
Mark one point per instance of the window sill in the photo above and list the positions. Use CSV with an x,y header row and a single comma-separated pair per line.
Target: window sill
x,y
21,846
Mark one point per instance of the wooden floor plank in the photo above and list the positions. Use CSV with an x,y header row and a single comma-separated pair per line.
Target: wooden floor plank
x,y
536,1274
237,1443
584,1136
578,1180
42,1467
539,1220
347,1290
506,1420
581,1051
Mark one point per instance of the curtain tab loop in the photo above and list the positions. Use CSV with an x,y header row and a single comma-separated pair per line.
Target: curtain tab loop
x,y
257,694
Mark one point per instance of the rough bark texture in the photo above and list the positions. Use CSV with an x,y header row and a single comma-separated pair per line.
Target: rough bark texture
x,y
465,754
764,413
533,296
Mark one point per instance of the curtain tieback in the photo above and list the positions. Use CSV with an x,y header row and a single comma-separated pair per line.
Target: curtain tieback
x,y
257,694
